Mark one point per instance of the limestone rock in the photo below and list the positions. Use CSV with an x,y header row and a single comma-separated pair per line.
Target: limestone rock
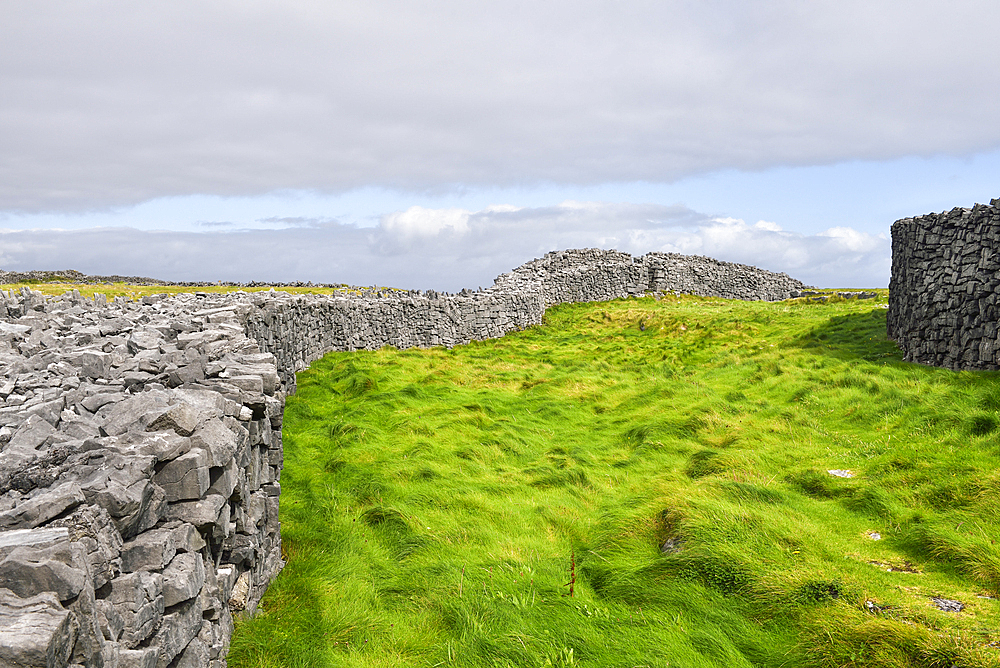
x,y
183,578
43,507
34,631
59,569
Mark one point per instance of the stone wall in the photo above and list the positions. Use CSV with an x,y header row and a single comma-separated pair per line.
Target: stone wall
x,y
943,291
599,275
300,329
138,479
141,440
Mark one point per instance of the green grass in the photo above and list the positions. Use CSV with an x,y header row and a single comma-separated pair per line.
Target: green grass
x,y
437,503
112,290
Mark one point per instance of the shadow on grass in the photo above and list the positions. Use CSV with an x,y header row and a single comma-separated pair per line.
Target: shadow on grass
x,y
852,336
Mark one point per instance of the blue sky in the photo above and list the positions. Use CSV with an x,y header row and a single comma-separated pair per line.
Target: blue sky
x,y
439,144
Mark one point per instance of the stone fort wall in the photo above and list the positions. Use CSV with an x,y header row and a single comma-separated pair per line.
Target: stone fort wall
x,y
140,441
943,307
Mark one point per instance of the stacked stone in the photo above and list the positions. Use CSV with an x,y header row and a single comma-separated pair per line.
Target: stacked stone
x,y
599,275
300,329
139,479
942,294
705,277
584,275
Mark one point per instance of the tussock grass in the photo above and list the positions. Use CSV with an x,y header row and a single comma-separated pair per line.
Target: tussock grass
x,y
437,504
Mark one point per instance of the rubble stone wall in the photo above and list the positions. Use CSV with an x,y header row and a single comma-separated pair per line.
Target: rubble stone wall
x,y
943,292
141,452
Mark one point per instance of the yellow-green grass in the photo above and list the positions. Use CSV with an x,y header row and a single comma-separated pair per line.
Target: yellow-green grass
x,y
112,290
436,503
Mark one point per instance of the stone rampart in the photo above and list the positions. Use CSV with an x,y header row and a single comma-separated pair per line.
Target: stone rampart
x,y
943,292
141,452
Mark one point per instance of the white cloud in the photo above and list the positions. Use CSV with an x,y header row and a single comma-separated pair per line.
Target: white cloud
x,y
448,249
418,221
108,104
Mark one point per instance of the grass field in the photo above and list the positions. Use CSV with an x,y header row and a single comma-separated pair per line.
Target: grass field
x,y
640,483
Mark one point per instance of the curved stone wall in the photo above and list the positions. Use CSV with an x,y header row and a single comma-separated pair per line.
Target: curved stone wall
x,y
943,291
140,441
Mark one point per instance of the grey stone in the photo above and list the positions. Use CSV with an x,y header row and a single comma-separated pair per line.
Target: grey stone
x,y
112,623
60,569
149,551
186,477
161,445
179,418
195,655
92,363
224,479
37,510
94,402
220,441
32,433
140,658
183,578
31,537
145,338
34,631
93,528
138,598
186,537
89,647
129,414
176,630
948,605
202,513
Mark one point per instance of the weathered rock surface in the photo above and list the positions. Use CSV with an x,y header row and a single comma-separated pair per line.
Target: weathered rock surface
x,y
141,449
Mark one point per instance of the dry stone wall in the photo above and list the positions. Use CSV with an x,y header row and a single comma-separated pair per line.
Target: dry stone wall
x,y
141,452
943,292
139,479
599,275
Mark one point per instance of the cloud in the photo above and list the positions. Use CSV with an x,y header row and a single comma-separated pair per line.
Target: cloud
x,y
279,222
448,249
418,221
108,104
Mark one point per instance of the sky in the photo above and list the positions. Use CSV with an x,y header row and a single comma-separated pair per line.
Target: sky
x,y
437,144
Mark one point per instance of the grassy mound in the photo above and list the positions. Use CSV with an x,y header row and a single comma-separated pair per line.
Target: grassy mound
x,y
640,483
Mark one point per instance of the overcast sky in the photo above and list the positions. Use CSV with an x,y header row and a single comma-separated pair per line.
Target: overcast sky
x,y
436,144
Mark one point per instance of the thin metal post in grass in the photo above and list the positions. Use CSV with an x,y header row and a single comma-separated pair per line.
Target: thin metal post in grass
x,y
461,581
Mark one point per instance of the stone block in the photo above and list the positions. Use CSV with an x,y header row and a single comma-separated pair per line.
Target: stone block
x,y
224,479
93,528
60,569
220,441
195,655
39,509
183,578
112,624
138,598
181,418
186,477
149,551
139,658
34,631
177,629
186,537
202,513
